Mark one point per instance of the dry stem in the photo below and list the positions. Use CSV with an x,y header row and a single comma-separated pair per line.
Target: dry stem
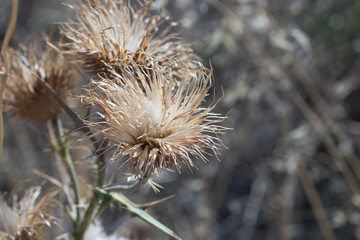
x,y
315,202
9,32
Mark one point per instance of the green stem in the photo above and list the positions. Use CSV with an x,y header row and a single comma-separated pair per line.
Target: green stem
x,y
100,162
63,151
79,234
100,171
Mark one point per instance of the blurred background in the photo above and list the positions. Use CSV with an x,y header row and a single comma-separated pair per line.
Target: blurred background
x,y
288,75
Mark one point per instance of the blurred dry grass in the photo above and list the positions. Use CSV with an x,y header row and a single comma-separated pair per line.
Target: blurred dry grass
x,y
290,75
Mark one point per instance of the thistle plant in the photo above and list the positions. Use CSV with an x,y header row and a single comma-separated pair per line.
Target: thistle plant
x,y
152,126
26,95
28,217
145,98
113,33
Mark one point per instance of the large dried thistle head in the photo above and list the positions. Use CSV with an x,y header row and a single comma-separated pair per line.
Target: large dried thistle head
x,y
151,124
28,218
25,94
113,34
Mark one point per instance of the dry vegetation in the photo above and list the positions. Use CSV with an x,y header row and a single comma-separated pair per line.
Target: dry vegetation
x,y
288,73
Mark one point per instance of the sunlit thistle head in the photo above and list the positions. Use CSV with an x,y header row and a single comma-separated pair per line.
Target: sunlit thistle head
x,y
113,34
27,218
25,95
152,125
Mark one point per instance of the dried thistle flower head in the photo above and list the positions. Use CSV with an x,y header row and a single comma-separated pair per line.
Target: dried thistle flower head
x,y
28,218
25,95
110,33
152,125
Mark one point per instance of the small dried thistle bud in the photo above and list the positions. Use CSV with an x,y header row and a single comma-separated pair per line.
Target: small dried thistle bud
x,y
25,94
110,33
152,125
27,218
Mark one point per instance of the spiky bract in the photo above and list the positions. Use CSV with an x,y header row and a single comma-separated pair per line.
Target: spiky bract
x,y
152,125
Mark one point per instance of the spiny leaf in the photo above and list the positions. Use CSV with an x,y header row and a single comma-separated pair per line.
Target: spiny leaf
x,y
139,213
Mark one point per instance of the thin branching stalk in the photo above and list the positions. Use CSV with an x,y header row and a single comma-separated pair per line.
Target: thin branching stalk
x,y
94,201
100,161
62,149
100,171
4,50
315,201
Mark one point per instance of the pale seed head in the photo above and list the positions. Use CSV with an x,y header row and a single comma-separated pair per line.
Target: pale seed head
x,y
152,125
110,33
27,218
25,95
